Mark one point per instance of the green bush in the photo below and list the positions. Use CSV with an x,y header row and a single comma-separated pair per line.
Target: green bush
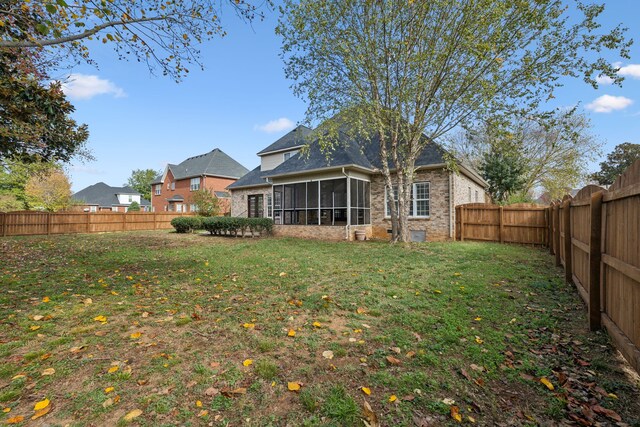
x,y
186,224
232,226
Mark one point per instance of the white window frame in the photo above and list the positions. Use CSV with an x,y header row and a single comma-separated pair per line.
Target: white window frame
x,y
130,198
289,154
93,209
414,204
193,208
158,188
194,184
173,185
269,202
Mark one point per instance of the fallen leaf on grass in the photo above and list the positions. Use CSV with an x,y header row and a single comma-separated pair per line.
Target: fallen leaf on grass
x,y
113,369
135,335
366,390
48,371
361,310
6,410
455,414
38,317
317,324
370,419
394,361
41,405
203,413
393,398
448,401
15,420
109,390
211,391
133,414
479,340
228,392
199,403
247,362
291,333
41,412
100,318
46,299
249,325
34,327
87,301
293,385
547,383
17,377
606,412
328,354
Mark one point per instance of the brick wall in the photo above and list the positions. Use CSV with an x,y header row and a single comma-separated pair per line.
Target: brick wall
x,y
183,188
240,204
436,226
461,186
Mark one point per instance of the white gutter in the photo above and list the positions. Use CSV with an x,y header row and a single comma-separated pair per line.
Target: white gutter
x,y
347,228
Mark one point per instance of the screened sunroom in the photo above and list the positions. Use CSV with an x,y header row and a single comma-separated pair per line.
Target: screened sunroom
x,y
333,202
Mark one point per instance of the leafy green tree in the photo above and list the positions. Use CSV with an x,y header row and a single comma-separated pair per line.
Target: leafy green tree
x,y
159,33
141,179
35,118
51,192
504,171
134,207
617,161
207,204
397,69
13,179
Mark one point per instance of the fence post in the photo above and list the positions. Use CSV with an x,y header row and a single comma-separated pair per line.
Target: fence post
x,y
556,234
462,223
594,261
549,213
501,229
568,267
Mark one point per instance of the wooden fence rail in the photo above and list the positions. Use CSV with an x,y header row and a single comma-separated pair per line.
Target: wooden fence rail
x,y
25,223
594,236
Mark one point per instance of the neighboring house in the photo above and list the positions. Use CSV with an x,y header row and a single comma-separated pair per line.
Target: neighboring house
x,y
103,197
310,195
214,171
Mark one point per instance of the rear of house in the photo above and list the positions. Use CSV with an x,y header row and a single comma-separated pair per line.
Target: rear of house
x,y
101,197
310,195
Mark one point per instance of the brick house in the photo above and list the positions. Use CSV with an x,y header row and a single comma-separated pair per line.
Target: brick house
x,y
101,197
311,195
214,171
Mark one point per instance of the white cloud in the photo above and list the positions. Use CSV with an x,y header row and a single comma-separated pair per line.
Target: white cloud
x,y
631,70
609,103
604,80
277,125
83,86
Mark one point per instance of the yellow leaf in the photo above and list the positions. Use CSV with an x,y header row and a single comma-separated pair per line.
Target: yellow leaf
x,y
203,413
291,333
249,325
361,310
133,414
15,420
613,396
34,327
247,362
45,299
48,371
112,369
114,293
135,335
437,291
41,405
19,376
393,398
471,419
317,324
6,410
198,404
38,317
477,319
109,389
100,318
366,390
455,414
293,386
282,274
478,340
547,383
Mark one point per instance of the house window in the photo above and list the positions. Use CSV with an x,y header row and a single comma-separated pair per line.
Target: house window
x,y
360,202
178,207
158,189
419,205
130,198
477,196
173,185
256,206
290,154
195,184
193,208
269,206
469,194
93,209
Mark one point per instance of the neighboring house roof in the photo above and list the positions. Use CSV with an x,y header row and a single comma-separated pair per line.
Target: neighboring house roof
x,y
252,179
214,163
101,194
222,194
295,138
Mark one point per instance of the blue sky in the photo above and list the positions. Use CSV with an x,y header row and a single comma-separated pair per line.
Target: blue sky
x,y
242,102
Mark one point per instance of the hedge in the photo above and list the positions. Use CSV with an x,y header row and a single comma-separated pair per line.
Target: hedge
x,y
221,225
186,224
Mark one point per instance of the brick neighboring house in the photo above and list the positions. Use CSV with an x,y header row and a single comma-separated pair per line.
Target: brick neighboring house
x,y
330,198
101,197
214,171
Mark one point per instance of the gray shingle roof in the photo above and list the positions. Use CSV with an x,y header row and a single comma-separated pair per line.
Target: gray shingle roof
x,y
295,138
252,179
349,152
215,163
104,195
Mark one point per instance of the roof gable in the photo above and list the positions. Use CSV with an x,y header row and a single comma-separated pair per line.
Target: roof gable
x,y
102,194
214,163
294,138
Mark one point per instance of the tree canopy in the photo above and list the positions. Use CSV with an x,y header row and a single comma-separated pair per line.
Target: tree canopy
x,y
404,68
159,33
617,161
141,179
51,192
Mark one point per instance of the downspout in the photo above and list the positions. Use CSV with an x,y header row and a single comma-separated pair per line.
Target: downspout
x,y
451,207
347,228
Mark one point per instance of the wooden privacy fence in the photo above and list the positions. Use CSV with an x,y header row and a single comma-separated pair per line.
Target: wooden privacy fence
x,y
595,236
26,223
518,223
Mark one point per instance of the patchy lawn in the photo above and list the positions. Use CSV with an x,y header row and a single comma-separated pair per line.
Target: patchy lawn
x,y
171,329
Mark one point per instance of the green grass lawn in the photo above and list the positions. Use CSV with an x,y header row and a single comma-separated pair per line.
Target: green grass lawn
x,y
197,330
